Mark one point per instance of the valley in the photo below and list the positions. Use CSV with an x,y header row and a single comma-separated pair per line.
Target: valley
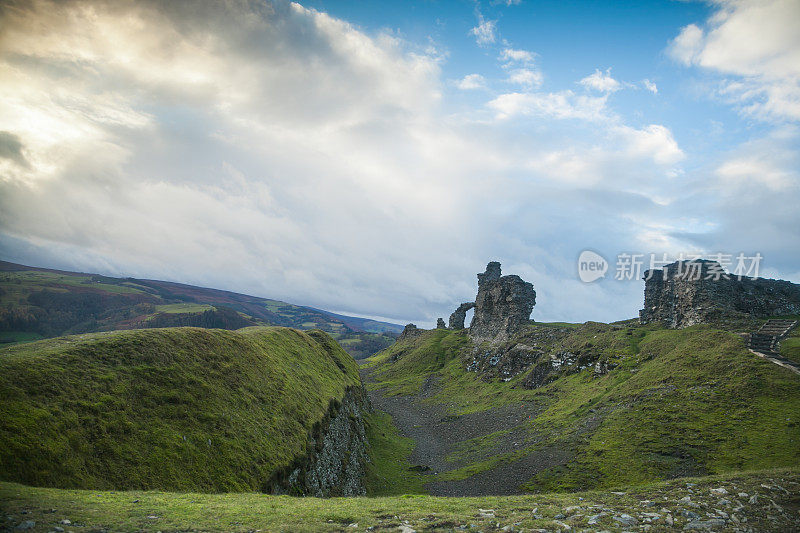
x,y
515,425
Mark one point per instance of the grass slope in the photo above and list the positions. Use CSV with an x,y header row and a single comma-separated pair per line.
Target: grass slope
x,y
173,409
790,346
678,402
389,472
767,501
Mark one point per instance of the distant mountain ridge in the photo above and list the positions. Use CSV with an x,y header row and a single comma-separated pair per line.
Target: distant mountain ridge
x,y
48,302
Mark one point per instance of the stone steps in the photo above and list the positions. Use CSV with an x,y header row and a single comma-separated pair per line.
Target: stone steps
x,y
777,327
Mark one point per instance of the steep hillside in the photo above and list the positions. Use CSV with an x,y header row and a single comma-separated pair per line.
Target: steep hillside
x,y
37,303
565,407
179,409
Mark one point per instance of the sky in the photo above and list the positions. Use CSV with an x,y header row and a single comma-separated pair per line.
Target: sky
x,y
370,158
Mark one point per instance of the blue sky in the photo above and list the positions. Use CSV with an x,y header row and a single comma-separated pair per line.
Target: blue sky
x,y
371,157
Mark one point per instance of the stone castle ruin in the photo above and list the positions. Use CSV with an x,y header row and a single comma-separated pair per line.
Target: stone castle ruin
x,y
681,294
502,307
686,293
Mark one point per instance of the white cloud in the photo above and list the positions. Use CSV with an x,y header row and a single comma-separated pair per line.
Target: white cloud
x,y
769,164
600,81
208,137
654,141
687,44
560,105
650,86
471,81
752,194
758,42
276,150
525,77
756,169
514,55
485,31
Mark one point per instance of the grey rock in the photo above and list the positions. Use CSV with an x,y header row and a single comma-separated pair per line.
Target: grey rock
x,y
594,519
411,330
27,524
460,315
626,519
502,307
335,465
440,324
705,524
686,293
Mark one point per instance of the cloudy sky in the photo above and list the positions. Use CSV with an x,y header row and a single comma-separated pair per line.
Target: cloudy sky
x,y
370,158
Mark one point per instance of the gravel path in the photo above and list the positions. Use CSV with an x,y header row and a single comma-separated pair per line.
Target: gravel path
x,y
438,434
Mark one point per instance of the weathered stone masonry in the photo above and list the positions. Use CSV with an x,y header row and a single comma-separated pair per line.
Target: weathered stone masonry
x,y
502,307
682,295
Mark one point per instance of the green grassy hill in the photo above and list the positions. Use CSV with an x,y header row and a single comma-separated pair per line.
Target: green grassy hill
x,y
38,303
177,408
672,403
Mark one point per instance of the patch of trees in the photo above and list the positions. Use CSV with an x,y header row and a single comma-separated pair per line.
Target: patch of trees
x,y
219,318
52,313
366,344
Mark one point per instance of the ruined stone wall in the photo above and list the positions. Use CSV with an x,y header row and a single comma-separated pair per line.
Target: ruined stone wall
x,y
503,305
682,295
460,315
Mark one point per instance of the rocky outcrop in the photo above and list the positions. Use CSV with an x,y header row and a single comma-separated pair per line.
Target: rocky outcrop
x,y
685,293
440,324
337,457
503,305
411,330
459,315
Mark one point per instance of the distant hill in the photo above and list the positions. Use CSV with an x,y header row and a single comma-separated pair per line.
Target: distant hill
x,y
175,408
39,303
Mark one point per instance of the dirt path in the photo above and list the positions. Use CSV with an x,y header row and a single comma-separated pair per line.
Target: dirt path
x,y
438,435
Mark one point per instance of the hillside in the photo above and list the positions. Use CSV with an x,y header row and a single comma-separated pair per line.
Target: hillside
x,y
38,303
174,409
566,407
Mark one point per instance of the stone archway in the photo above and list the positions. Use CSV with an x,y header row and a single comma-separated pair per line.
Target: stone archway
x,y
459,315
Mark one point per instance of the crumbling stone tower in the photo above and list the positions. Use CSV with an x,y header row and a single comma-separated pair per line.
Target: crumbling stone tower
x,y
503,306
